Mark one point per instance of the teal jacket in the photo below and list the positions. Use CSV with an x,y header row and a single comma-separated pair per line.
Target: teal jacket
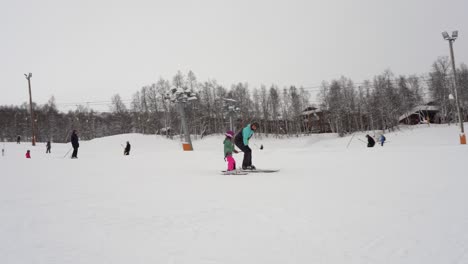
x,y
228,147
247,133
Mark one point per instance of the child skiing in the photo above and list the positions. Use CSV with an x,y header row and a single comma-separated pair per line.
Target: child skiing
x,y
28,154
228,150
382,140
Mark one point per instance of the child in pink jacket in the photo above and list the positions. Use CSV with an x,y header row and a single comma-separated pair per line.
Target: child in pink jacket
x,y
228,150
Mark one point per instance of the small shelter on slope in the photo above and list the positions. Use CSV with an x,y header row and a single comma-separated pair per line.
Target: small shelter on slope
x,y
421,114
314,121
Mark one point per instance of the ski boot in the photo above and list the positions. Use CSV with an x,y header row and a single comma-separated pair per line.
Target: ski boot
x,y
251,167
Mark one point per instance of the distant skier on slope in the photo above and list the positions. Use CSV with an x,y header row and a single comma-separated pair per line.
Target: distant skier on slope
x,y
127,149
382,139
228,150
18,139
370,141
75,144
242,142
48,147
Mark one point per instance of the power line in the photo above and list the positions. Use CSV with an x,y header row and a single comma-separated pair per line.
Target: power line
x,y
317,88
93,102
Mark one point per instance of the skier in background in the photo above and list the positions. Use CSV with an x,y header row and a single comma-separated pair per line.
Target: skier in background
x,y
18,139
75,144
127,149
28,154
228,150
242,142
370,141
382,140
48,146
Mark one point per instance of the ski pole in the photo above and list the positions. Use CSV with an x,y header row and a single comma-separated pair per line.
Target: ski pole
x,y
261,146
350,140
67,152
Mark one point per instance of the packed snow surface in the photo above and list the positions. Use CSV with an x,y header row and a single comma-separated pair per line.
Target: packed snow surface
x,y
405,202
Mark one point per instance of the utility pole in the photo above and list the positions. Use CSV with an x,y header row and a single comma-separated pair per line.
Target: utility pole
x,y
28,77
455,83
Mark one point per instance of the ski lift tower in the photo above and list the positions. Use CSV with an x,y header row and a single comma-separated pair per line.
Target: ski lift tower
x,y
452,39
231,108
180,96
33,139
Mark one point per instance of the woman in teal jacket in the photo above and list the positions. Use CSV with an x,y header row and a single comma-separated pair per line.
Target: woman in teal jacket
x,y
242,142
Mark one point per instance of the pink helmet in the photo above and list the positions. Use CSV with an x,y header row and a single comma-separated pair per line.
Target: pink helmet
x,y
229,134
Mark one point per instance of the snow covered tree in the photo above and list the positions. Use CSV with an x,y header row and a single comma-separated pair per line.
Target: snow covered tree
x,y
120,121
440,87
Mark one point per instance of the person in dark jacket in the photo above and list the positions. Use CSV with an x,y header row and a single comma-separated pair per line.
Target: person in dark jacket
x,y
48,147
242,142
127,149
75,144
18,139
370,141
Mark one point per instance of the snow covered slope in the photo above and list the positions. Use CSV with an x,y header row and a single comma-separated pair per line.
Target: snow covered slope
x,y
401,203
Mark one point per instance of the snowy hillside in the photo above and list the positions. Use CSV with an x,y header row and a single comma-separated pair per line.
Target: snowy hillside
x,y
401,203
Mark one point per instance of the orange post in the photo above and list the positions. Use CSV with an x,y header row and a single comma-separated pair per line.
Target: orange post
x,y
463,139
187,147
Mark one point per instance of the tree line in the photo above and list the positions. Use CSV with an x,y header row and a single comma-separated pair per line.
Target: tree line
x,y
345,107
378,104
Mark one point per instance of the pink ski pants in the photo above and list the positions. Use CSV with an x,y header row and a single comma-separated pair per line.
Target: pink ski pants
x,y
231,163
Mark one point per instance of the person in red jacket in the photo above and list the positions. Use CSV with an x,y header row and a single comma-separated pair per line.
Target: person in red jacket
x,y
28,154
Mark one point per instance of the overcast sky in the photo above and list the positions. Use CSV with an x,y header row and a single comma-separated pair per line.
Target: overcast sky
x,y
84,50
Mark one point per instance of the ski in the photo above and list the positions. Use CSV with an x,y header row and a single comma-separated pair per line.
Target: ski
x,y
260,171
235,172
